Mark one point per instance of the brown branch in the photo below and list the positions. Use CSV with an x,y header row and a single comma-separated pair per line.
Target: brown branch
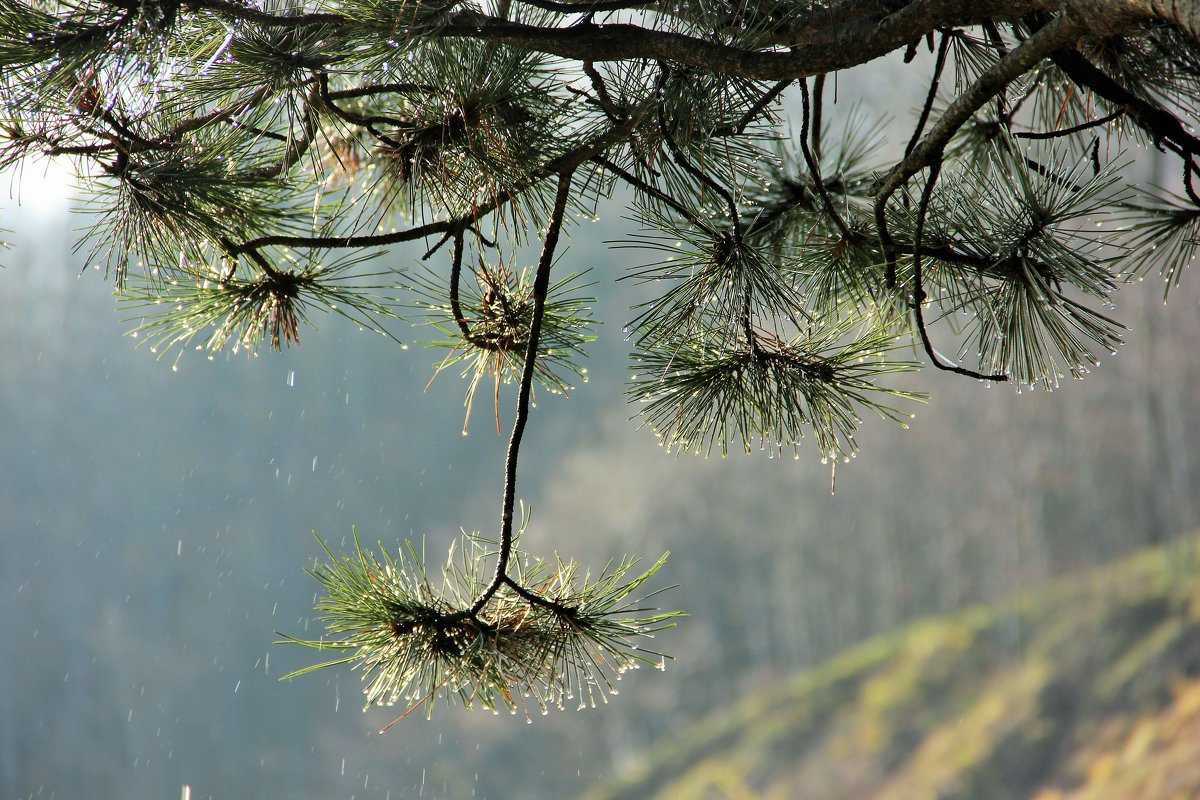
x,y
1155,120
814,169
565,163
760,105
455,277
218,115
918,299
589,6
298,146
380,88
237,11
687,166
656,193
541,286
1083,126
939,64
850,47
1042,44
818,103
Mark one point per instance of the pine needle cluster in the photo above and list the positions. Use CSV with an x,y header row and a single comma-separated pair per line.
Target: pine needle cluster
x,y
487,323
420,639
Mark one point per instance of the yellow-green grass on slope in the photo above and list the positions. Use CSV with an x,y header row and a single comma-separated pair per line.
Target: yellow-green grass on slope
x,y
1089,688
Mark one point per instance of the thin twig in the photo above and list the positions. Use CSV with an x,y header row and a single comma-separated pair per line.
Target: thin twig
x,y
931,95
537,600
1190,169
752,113
818,105
1083,126
541,285
919,292
1161,124
814,169
368,123
603,98
682,160
298,146
655,192
380,88
455,277
567,162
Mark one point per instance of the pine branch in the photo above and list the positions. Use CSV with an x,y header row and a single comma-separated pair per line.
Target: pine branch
x,y
416,641
1042,44
540,285
919,295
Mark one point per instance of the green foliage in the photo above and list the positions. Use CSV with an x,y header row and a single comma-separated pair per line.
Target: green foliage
x,y
489,333
246,312
1018,257
1166,230
698,394
419,642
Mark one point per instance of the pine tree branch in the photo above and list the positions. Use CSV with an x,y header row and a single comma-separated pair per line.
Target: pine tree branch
x,y
1183,13
456,259
685,163
234,12
590,6
565,163
373,89
541,285
1083,126
603,99
367,123
1162,125
297,145
931,95
918,299
818,100
1042,44
187,126
653,191
814,169
753,112
826,41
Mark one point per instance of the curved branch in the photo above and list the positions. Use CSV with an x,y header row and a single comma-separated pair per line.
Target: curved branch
x,y
455,277
1042,44
653,191
934,82
1155,120
564,164
918,300
297,146
238,11
686,165
1083,126
541,285
824,42
814,168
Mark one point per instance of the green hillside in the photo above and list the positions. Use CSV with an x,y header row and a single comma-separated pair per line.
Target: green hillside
x,y
1088,689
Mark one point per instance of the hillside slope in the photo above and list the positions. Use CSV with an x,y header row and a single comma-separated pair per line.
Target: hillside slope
x,y
1088,689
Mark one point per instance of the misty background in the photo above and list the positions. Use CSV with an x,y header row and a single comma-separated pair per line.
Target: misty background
x,y
156,523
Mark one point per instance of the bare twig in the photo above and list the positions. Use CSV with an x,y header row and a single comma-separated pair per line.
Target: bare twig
x,y
814,169
918,299
541,285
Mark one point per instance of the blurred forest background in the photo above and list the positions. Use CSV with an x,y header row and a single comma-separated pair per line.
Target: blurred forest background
x,y
156,524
